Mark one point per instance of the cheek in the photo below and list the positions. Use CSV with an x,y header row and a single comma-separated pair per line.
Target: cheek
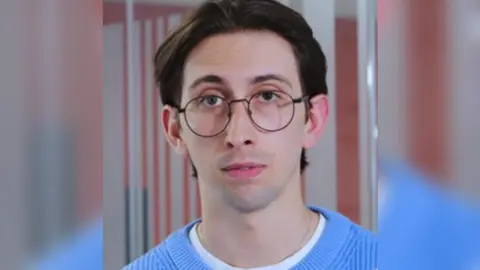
x,y
296,129
286,143
194,145
296,139
200,150
292,136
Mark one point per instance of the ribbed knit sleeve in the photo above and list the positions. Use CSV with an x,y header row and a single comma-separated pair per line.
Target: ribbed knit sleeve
x,y
353,249
359,251
155,259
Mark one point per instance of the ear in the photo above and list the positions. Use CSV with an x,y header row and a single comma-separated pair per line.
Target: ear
x,y
317,119
172,129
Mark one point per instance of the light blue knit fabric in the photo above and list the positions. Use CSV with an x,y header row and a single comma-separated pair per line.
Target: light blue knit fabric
x,y
423,226
343,245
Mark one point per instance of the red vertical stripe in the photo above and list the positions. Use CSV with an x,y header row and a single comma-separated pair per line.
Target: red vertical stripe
x,y
143,102
143,92
168,174
427,91
115,12
156,169
126,145
347,145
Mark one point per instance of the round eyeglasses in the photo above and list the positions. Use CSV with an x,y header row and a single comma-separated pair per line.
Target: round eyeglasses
x,y
209,115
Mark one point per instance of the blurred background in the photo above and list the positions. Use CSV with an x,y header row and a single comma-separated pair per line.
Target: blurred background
x,y
51,125
79,114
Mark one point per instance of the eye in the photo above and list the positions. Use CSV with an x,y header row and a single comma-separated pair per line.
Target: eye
x,y
267,96
210,100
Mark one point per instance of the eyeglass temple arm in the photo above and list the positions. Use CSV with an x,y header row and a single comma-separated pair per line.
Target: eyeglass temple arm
x,y
179,109
301,99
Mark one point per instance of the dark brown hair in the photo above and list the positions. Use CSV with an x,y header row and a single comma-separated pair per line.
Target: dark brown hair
x,y
229,16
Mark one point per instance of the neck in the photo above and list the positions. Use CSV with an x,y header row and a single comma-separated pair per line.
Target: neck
x,y
261,238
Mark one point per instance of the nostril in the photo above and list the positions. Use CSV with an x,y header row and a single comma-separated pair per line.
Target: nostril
x,y
232,145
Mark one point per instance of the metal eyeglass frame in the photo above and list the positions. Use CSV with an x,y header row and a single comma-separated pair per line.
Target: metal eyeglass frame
x,y
249,112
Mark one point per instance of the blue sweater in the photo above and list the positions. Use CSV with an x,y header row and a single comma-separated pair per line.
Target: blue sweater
x,y
423,227
343,245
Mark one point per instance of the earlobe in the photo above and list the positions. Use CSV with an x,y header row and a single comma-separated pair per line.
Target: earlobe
x,y
171,128
317,119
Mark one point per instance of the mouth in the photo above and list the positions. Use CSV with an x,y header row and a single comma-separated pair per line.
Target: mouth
x,y
244,171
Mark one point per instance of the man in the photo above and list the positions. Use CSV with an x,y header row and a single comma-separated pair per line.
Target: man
x,y
244,88
423,226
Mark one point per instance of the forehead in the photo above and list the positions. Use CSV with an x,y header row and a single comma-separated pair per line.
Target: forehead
x,y
237,57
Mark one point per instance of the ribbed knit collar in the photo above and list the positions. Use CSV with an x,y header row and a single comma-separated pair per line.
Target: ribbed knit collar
x,y
320,257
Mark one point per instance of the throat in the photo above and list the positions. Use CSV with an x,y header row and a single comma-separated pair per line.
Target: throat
x,y
252,244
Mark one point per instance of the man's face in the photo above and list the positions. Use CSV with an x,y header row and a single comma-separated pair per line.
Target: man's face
x,y
243,166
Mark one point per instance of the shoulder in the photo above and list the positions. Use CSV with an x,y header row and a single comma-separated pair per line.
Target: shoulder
x,y
360,241
156,258
351,230
159,257
356,248
362,248
166,254
424,220
365,239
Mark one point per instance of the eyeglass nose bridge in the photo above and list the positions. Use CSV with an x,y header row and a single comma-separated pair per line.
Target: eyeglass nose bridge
x,y
243,100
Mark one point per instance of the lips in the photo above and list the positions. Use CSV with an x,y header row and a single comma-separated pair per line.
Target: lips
x,y
244,170
243,166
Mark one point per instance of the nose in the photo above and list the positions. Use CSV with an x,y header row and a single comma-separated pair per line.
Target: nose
x,y
240,131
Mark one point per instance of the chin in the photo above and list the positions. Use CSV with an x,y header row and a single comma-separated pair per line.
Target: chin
x,y
251,200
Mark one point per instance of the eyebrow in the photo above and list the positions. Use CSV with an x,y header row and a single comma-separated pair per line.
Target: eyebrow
x,y
269,77
211,78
